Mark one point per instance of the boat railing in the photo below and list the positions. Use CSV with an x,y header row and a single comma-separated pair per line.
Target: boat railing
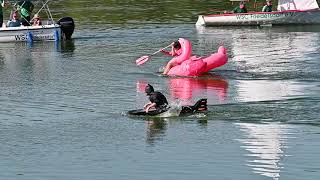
x,y
43,6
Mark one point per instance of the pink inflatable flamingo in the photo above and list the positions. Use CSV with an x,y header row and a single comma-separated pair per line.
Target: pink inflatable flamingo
x,y
195,66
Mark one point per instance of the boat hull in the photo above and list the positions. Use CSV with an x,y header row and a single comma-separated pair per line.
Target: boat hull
x,y
30,33
261,18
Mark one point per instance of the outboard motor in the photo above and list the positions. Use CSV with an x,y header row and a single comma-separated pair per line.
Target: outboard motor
x,y
67,27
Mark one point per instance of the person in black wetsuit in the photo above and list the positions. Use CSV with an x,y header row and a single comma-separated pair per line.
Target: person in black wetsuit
x,y
157,99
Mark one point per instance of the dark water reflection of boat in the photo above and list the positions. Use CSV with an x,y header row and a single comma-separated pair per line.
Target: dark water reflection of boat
x,y
11,50
34,59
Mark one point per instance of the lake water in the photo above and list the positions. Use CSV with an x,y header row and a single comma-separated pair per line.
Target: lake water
x,y
62,105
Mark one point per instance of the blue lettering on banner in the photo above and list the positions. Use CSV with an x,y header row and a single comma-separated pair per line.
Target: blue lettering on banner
x,y
23,37
43,37
263,16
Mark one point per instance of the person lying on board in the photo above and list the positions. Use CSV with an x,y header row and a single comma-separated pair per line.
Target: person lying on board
x,y
241,8
175,51
157,99
14,22
267,7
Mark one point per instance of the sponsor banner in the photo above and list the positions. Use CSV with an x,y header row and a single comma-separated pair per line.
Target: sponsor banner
x,y
263,16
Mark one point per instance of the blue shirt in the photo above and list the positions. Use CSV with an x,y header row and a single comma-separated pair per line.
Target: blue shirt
x,y
15,23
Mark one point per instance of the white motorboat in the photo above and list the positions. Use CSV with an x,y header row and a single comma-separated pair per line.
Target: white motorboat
x,y
49,31
288,12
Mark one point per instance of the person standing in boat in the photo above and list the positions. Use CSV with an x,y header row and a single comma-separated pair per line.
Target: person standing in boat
x,y
25,8
267,7
241,8
157,99
1,11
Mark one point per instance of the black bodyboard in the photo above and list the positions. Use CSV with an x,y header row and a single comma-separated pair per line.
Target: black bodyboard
x,y
199,107
142,112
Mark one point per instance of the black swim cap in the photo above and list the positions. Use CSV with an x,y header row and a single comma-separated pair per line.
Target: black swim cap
x,y
149,89
177,45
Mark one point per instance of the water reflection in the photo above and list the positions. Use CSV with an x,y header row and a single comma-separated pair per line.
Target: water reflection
x,y
266,62
156,129
271,52
37,47
21,50
66,47
210,86
268,90
265,144
260,53
1,60
29,64
187,89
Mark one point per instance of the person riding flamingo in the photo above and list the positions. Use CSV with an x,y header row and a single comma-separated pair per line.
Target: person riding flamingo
x,y
180,50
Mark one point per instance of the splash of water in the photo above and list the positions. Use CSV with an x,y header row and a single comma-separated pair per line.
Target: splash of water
x,y
174,111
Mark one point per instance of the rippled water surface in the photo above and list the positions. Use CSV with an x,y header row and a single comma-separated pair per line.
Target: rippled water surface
x,y
62,105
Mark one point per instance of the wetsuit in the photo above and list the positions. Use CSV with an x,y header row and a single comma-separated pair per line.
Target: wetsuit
x,y
159,99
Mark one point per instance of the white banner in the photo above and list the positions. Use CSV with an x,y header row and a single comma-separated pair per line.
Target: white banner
x,y
284,5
